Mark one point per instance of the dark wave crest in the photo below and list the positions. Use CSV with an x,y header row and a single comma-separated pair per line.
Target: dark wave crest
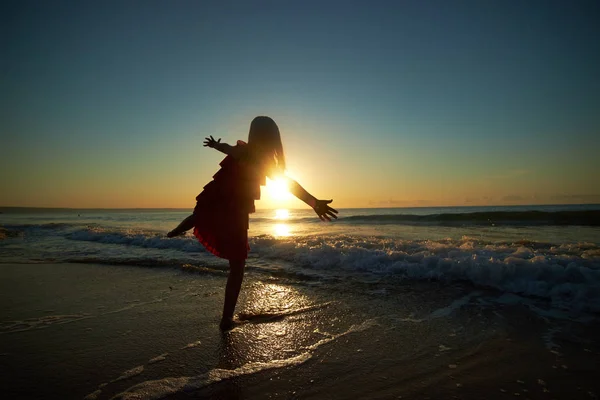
x,y
494,218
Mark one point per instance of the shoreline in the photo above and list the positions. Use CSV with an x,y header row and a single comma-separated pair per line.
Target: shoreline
x,y
102,331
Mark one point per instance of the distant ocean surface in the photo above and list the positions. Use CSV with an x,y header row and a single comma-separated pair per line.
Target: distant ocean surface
x,y
546,252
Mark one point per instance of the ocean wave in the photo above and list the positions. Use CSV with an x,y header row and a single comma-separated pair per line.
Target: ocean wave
x,y
568,274
136,238
589,218
161,388
494,218
48,226
8,233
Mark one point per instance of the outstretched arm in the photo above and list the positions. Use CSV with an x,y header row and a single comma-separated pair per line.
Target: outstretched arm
x,y
321,207
234,151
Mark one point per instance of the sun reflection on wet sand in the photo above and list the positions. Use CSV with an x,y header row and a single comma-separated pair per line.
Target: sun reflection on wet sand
x,y
281,323
272,297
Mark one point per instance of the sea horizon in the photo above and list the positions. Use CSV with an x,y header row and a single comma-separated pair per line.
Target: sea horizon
x,y
26,208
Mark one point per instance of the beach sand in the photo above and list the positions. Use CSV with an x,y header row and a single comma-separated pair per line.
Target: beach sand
x,y
100,331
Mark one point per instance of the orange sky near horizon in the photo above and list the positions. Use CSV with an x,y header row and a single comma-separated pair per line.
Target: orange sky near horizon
x,y
354,173
135,181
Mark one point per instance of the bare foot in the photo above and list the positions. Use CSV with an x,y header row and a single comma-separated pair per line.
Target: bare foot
x,y
228,324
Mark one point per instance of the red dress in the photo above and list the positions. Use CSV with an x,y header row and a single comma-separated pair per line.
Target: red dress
x,y
222,209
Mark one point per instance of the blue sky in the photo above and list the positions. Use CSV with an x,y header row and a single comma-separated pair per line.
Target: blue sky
x,y
105,104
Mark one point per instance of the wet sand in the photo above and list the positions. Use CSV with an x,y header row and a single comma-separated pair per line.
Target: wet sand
x,y
100,331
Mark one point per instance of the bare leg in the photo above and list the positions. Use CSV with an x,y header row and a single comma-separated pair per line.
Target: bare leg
x,y
232,290
183,227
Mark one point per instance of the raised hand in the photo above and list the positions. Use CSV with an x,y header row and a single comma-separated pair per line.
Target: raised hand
x,y
323,210
211,142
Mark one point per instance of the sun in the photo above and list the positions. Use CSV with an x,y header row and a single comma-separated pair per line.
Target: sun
x,y
278,189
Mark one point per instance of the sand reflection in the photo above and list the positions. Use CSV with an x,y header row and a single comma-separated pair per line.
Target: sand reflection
x,y
280,325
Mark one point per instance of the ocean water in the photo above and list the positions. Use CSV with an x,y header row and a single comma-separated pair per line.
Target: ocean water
x,y
481,302
550,253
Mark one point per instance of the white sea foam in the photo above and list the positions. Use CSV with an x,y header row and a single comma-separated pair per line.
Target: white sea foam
x,y
130,373
568,274
192,345
40,323
135,238
455,305
160,388
159,358
548,338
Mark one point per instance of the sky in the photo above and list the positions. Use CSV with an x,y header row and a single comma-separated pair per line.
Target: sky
x,y
380,103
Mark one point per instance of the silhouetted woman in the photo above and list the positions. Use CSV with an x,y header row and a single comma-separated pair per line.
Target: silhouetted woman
x,y
220,218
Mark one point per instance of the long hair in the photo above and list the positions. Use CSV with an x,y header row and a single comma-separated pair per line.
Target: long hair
x,y
265,139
